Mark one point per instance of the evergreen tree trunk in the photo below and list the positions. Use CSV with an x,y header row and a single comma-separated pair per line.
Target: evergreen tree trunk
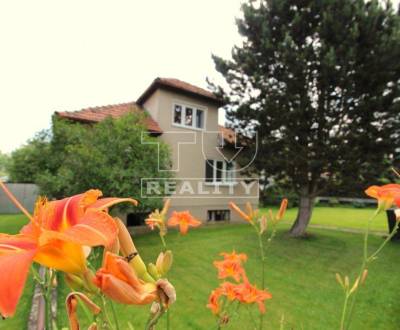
x,y
303,215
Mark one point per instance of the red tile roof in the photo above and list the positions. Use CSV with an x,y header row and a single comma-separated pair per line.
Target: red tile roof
x,y
228,134
97,114
181,87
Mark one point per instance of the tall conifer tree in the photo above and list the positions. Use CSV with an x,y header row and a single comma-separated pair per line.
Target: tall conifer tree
x,y
318,81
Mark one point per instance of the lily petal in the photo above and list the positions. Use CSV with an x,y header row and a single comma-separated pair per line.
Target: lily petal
x,y
14,271
95,228
105,203
61,255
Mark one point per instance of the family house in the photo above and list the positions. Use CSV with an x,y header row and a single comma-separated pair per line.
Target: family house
x,y
204,154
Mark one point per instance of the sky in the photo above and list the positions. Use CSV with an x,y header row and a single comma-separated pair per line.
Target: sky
x,y
67,55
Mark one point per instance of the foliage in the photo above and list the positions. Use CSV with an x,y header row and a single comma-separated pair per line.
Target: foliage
x,y
27,162
111,156
318,82
4,161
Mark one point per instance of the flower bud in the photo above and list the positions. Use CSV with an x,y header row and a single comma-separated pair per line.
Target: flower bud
x,y
364,276
346,282
71,304
93,326
88,278
339,280
74,282
282,209
153,271
263,224
164,262
355,285
129,251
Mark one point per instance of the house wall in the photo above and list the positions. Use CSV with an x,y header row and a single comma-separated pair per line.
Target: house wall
x,y
189,160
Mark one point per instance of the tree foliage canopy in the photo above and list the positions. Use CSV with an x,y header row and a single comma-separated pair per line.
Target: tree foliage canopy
x,y
28,161
111,156
4,160
318,81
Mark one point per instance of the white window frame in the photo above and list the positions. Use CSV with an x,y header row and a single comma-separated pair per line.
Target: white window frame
x,y
224,181
195,108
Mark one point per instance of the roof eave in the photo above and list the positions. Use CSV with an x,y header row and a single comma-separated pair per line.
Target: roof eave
x,y
157,84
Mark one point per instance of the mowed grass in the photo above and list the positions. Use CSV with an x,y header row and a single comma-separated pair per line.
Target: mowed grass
x,y
340,217
300,275
11,224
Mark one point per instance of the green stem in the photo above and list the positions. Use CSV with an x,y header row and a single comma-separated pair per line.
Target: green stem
x,y
362,268
261,245
373,255
114,315
153,320
343,318
167,316
163,242
366,261
106,318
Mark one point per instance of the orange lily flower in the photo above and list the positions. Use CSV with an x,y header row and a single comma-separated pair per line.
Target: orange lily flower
x,y
184,220
231,266
386,195
157,218
229,290
118,281
249,294
54,238
233,256
213,300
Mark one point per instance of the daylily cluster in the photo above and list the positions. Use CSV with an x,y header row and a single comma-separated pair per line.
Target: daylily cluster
x,y
59,237
231,265
183,219
242,291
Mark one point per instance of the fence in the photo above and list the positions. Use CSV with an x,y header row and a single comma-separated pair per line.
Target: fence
x,y
26,193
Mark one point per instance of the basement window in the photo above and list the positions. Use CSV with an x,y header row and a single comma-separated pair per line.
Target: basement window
x,y
218,215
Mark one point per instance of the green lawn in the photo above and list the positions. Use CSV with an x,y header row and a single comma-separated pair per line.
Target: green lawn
x,y
11,224
343,217
300,275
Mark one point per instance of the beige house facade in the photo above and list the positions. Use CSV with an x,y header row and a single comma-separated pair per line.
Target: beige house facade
x,y
205,166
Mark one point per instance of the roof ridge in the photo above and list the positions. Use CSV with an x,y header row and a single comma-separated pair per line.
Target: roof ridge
x,y
100,107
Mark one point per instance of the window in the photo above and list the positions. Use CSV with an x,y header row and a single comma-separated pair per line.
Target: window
x,y
219,171
188,116
178,114
199,118
218,215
